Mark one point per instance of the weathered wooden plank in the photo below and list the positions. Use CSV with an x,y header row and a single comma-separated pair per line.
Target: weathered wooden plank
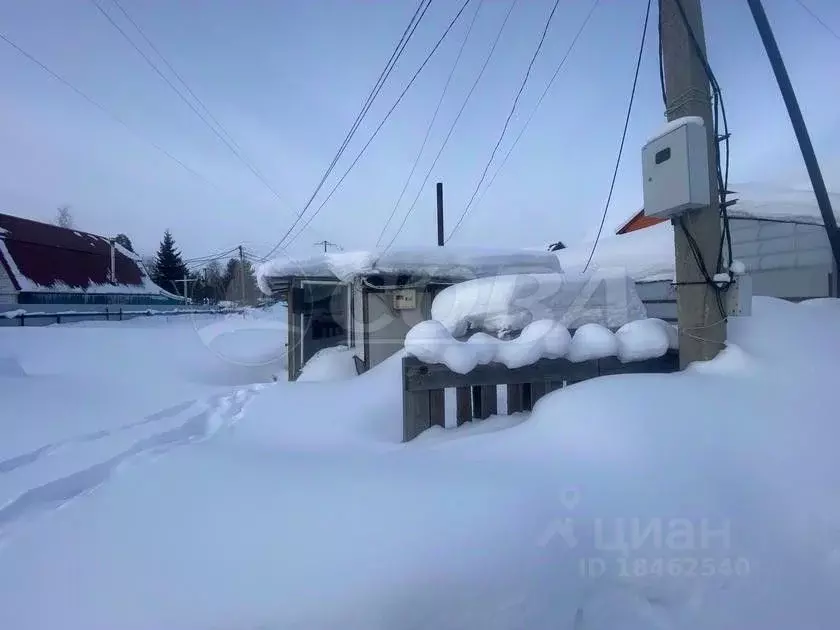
x,y
527,401
514,398
661,365
416,414
490,399
463,405
538,390
553,385
425,376
484,401
437,408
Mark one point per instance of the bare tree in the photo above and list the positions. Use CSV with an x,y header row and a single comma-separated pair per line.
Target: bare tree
x,y
63,217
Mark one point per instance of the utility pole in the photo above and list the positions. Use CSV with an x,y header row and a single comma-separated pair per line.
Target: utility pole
x,y
186,286
242,275
440,214
112,270
702,327
326,244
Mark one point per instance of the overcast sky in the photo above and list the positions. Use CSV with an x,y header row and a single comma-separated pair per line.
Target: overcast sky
x,y
287,77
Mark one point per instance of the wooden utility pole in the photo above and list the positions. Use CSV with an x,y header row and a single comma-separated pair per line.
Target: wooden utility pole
x,y
702,327
325,244
185,282
242,275
112,267
440,239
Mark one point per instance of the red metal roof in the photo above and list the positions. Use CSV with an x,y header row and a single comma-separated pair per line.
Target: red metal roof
x,y
637,222
47,254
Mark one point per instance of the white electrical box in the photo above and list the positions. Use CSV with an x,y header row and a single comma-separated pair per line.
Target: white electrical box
x,y
675,167
739,297
404,299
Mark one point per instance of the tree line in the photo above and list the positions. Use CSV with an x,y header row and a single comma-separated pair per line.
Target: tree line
x,y
213,282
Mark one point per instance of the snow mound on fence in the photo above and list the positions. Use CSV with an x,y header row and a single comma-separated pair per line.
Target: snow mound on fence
x,y
431,342
511,302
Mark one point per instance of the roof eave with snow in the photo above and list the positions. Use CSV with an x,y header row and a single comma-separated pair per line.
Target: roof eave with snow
x,y
442,264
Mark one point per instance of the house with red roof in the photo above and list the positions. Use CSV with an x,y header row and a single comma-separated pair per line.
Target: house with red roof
x,y
43,264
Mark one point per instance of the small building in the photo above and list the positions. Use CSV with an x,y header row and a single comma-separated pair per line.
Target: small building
x,y
777,233
44,267
369,301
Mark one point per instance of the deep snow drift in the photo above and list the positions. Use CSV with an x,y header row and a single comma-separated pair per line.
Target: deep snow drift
x,y
704,500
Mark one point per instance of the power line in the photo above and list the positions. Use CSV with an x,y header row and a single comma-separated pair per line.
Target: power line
x,y
454,124
623,135
507,120
539,101
818,19
431,122
189,104
377,88
105,111
212,256
409,31
385,119
174,72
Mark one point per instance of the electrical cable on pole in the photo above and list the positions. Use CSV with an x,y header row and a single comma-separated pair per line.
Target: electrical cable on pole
x,y
419,13
384,120
189,104
507,120
174,72
106,111
538,103
449,133
432,121
822,22
698,234
623,134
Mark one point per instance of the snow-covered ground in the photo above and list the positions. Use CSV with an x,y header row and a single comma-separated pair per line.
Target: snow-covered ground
x,y
155,478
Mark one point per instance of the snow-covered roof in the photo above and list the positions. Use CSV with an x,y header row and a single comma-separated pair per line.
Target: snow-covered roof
x,y
757,201
40,257
439,262
762,201
645,255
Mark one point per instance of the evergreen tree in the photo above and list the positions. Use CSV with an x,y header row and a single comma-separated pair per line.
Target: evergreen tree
x,y
169,266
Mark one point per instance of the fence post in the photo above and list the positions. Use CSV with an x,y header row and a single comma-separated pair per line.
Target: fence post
x,y
107,315
57,318
22,317
437,408
417,412
120,314
484,401
514,398
463,404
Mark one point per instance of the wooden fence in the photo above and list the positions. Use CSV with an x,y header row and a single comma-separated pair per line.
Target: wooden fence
x,y
476,392
66,317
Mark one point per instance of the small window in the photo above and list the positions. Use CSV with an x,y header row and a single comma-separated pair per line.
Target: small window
x,y
663,155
